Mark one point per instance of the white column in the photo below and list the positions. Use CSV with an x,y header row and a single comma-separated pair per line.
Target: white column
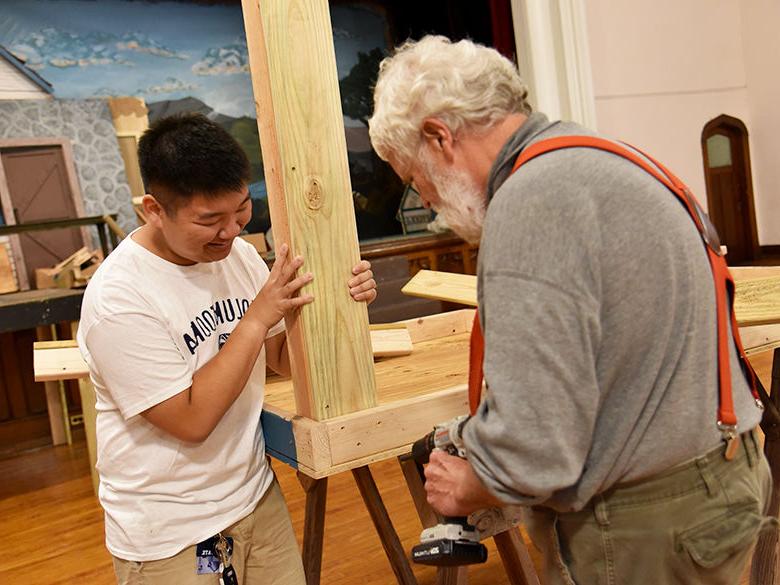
x,y
553,56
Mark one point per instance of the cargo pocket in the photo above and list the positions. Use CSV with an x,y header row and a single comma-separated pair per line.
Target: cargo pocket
x,y
714,541
560,558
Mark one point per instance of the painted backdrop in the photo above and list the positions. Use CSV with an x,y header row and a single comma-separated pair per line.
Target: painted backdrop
x,y
182,56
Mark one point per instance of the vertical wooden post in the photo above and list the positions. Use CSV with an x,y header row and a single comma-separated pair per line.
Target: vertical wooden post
x,y
294,78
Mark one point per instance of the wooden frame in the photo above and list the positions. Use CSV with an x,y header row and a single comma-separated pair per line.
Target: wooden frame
x,y
131,119
322,448
735,124
7,205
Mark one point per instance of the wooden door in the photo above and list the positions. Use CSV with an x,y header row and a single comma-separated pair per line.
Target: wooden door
x,y
37,180
24,422
729,187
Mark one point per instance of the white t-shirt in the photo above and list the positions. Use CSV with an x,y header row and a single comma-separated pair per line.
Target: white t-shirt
x,y
147,325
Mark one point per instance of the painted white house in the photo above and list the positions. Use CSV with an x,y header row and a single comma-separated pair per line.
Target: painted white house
x,y
18,82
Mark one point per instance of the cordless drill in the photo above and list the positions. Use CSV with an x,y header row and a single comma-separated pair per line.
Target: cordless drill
x,y
453,541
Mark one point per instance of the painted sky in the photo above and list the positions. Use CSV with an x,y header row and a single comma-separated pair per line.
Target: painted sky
x,y
159,51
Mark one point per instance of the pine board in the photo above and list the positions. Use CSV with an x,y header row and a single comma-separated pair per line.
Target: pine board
x,y
295,84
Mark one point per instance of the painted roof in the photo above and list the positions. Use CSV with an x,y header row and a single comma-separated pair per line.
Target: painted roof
x,y
26,71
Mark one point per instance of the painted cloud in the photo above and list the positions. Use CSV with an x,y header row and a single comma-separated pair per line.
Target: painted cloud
x,y
61,48
223,60
170,85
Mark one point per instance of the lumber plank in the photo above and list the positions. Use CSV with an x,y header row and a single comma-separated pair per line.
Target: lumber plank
x,y
760,338
58,363
392,425
443,286
294,78
53,362
748,272
322,448
757,301
391,342
440,325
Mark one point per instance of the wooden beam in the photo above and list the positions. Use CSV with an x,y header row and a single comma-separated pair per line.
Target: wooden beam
x,y
757,301
294,78
323,448
391,340
443,286
748,272
66,363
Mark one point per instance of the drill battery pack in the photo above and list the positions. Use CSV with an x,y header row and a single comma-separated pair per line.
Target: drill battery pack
x,y
445,552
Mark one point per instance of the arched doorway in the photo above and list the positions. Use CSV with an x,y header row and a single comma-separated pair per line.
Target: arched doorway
x,y
724,143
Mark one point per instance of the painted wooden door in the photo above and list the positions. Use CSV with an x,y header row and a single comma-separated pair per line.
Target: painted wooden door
x,y
729,197
38,184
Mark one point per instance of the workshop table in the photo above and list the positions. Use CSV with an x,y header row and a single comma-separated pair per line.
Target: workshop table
x,y
415,392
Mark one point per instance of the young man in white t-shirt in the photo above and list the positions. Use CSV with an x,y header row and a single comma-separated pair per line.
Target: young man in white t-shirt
x,y
177,327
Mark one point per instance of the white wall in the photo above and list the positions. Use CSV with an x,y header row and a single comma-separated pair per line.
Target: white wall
x,y
14,85
661,70
761,44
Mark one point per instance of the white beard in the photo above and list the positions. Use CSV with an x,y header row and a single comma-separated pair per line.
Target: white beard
x,y
463,204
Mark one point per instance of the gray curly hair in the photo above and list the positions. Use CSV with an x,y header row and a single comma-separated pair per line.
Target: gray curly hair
x,y
463,84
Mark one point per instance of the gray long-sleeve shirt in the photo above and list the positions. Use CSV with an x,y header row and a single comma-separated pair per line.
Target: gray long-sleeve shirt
x,y
598,308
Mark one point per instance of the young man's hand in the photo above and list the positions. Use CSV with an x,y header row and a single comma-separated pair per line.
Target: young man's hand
x,y
362,286
277,296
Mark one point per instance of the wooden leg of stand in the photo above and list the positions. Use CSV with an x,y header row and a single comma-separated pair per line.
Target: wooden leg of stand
x,y
384,526
313,526
514,554
765,568
428,517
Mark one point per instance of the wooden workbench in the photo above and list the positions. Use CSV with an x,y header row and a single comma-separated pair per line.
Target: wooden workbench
x,y
414,393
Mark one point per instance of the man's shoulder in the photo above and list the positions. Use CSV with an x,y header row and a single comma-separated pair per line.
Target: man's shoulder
x,y
120,283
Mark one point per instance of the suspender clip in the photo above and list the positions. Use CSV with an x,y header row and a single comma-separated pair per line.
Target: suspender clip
x,y
730,436
708,232
759,404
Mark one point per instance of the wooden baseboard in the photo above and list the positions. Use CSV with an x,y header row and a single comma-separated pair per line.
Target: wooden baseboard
x,y
770,250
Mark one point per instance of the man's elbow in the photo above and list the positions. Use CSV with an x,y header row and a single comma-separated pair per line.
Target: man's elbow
x,y
189,430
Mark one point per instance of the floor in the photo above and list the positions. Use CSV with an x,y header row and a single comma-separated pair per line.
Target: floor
x,y
52,525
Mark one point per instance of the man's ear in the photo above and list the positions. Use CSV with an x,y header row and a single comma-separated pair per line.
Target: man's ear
x,y
439,138
153,210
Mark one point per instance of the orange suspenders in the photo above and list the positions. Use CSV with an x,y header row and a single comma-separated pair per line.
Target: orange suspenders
x,y
724,283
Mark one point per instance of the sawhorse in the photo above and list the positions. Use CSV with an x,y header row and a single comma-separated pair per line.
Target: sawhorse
x,y
514,554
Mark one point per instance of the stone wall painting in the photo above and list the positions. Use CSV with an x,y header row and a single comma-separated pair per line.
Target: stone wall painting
x,y
192,57
87,124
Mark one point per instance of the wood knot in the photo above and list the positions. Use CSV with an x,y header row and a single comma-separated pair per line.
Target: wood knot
x,y
313,193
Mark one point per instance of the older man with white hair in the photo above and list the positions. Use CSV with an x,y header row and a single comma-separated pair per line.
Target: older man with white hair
x,y
603,359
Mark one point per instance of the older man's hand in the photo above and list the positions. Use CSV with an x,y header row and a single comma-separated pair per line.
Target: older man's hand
x,y
453,488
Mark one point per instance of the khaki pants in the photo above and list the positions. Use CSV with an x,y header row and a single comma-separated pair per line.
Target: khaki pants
x,y
697,523
265,552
